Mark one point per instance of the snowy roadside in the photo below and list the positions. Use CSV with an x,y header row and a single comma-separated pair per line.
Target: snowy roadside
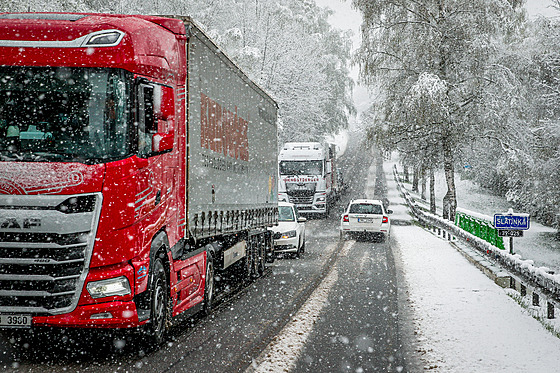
x,y
539,243
463,321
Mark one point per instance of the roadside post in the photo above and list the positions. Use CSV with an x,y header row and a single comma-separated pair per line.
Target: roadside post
x,y
511,225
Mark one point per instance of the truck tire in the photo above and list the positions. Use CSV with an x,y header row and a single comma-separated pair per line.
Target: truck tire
x,y
261,256
159,303
270,254
255,254
209,285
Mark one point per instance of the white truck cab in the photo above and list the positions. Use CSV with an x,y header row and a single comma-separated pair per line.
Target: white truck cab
x,y
305,177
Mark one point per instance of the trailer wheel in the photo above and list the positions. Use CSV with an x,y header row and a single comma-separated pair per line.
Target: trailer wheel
x,y
255,261
248,261
270,254
261,256
209,285
159,303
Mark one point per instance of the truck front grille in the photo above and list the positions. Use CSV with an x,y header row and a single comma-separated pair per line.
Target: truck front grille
x,y
301,200
43,265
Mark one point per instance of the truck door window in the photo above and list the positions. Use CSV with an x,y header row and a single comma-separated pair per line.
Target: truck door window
x,y
147,124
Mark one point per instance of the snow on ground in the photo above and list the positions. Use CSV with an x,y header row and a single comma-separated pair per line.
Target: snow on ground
x,y
463,321
538,243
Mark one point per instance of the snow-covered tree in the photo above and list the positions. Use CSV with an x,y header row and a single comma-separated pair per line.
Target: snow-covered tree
x,y
452,40
291,50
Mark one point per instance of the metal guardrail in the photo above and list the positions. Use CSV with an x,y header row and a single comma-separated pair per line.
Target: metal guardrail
x,y
541,279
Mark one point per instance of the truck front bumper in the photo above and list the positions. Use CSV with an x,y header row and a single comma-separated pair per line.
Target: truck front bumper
x,y
312,209
115,314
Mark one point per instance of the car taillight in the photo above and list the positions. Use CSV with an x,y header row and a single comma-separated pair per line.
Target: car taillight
x,y
345,219
385,219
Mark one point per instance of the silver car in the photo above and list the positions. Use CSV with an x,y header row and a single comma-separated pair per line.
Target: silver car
x,y
364,218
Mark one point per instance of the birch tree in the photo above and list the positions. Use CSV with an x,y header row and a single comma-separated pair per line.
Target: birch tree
x,y
451,39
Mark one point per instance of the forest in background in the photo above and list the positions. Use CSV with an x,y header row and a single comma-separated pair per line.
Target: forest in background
x,y
470,87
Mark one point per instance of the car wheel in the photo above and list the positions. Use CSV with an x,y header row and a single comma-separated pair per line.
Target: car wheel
x,y
299,251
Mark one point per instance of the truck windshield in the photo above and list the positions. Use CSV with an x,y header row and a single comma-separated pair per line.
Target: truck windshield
x,y
301,167
62,114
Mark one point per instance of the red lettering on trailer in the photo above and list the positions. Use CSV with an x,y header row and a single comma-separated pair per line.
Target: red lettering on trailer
x,y
222,131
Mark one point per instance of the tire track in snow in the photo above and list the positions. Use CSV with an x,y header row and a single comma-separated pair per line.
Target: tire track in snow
x,y
282,354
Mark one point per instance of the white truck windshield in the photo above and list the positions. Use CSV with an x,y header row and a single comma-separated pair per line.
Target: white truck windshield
x,y
301,167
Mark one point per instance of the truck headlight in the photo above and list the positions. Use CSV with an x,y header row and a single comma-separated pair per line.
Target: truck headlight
x,y
320,199
109,288
289,234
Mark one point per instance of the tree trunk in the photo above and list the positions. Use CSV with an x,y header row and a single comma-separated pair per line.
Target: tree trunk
x,y
423,183
406,176
432,192
415,176
450,199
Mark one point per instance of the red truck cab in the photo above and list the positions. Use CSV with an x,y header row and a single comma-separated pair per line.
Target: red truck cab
x,y
92,171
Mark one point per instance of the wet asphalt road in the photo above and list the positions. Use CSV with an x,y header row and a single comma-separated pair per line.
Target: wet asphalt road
x,y
356,332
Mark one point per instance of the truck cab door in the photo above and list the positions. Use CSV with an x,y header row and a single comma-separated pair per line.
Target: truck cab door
x,y
155,176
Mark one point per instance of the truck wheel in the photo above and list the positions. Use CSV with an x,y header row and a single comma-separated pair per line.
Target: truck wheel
x,y
209,285
248,262
270,254
261,257
326,213
255,253
159,303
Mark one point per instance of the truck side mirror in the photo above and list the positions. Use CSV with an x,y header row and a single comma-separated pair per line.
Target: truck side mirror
x,y
165,103
162,142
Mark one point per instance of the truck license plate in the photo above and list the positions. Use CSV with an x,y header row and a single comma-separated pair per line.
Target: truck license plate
x,y
15,321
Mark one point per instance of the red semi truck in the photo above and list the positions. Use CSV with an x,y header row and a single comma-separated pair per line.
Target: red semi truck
x,y
135,164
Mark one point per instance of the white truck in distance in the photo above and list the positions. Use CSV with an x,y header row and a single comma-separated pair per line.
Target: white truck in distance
x,y
306,176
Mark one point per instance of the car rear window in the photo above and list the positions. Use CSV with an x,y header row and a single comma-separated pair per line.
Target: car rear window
x,y
365,208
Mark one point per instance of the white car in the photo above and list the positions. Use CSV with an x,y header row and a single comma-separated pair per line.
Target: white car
x,y
289,234
366,217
